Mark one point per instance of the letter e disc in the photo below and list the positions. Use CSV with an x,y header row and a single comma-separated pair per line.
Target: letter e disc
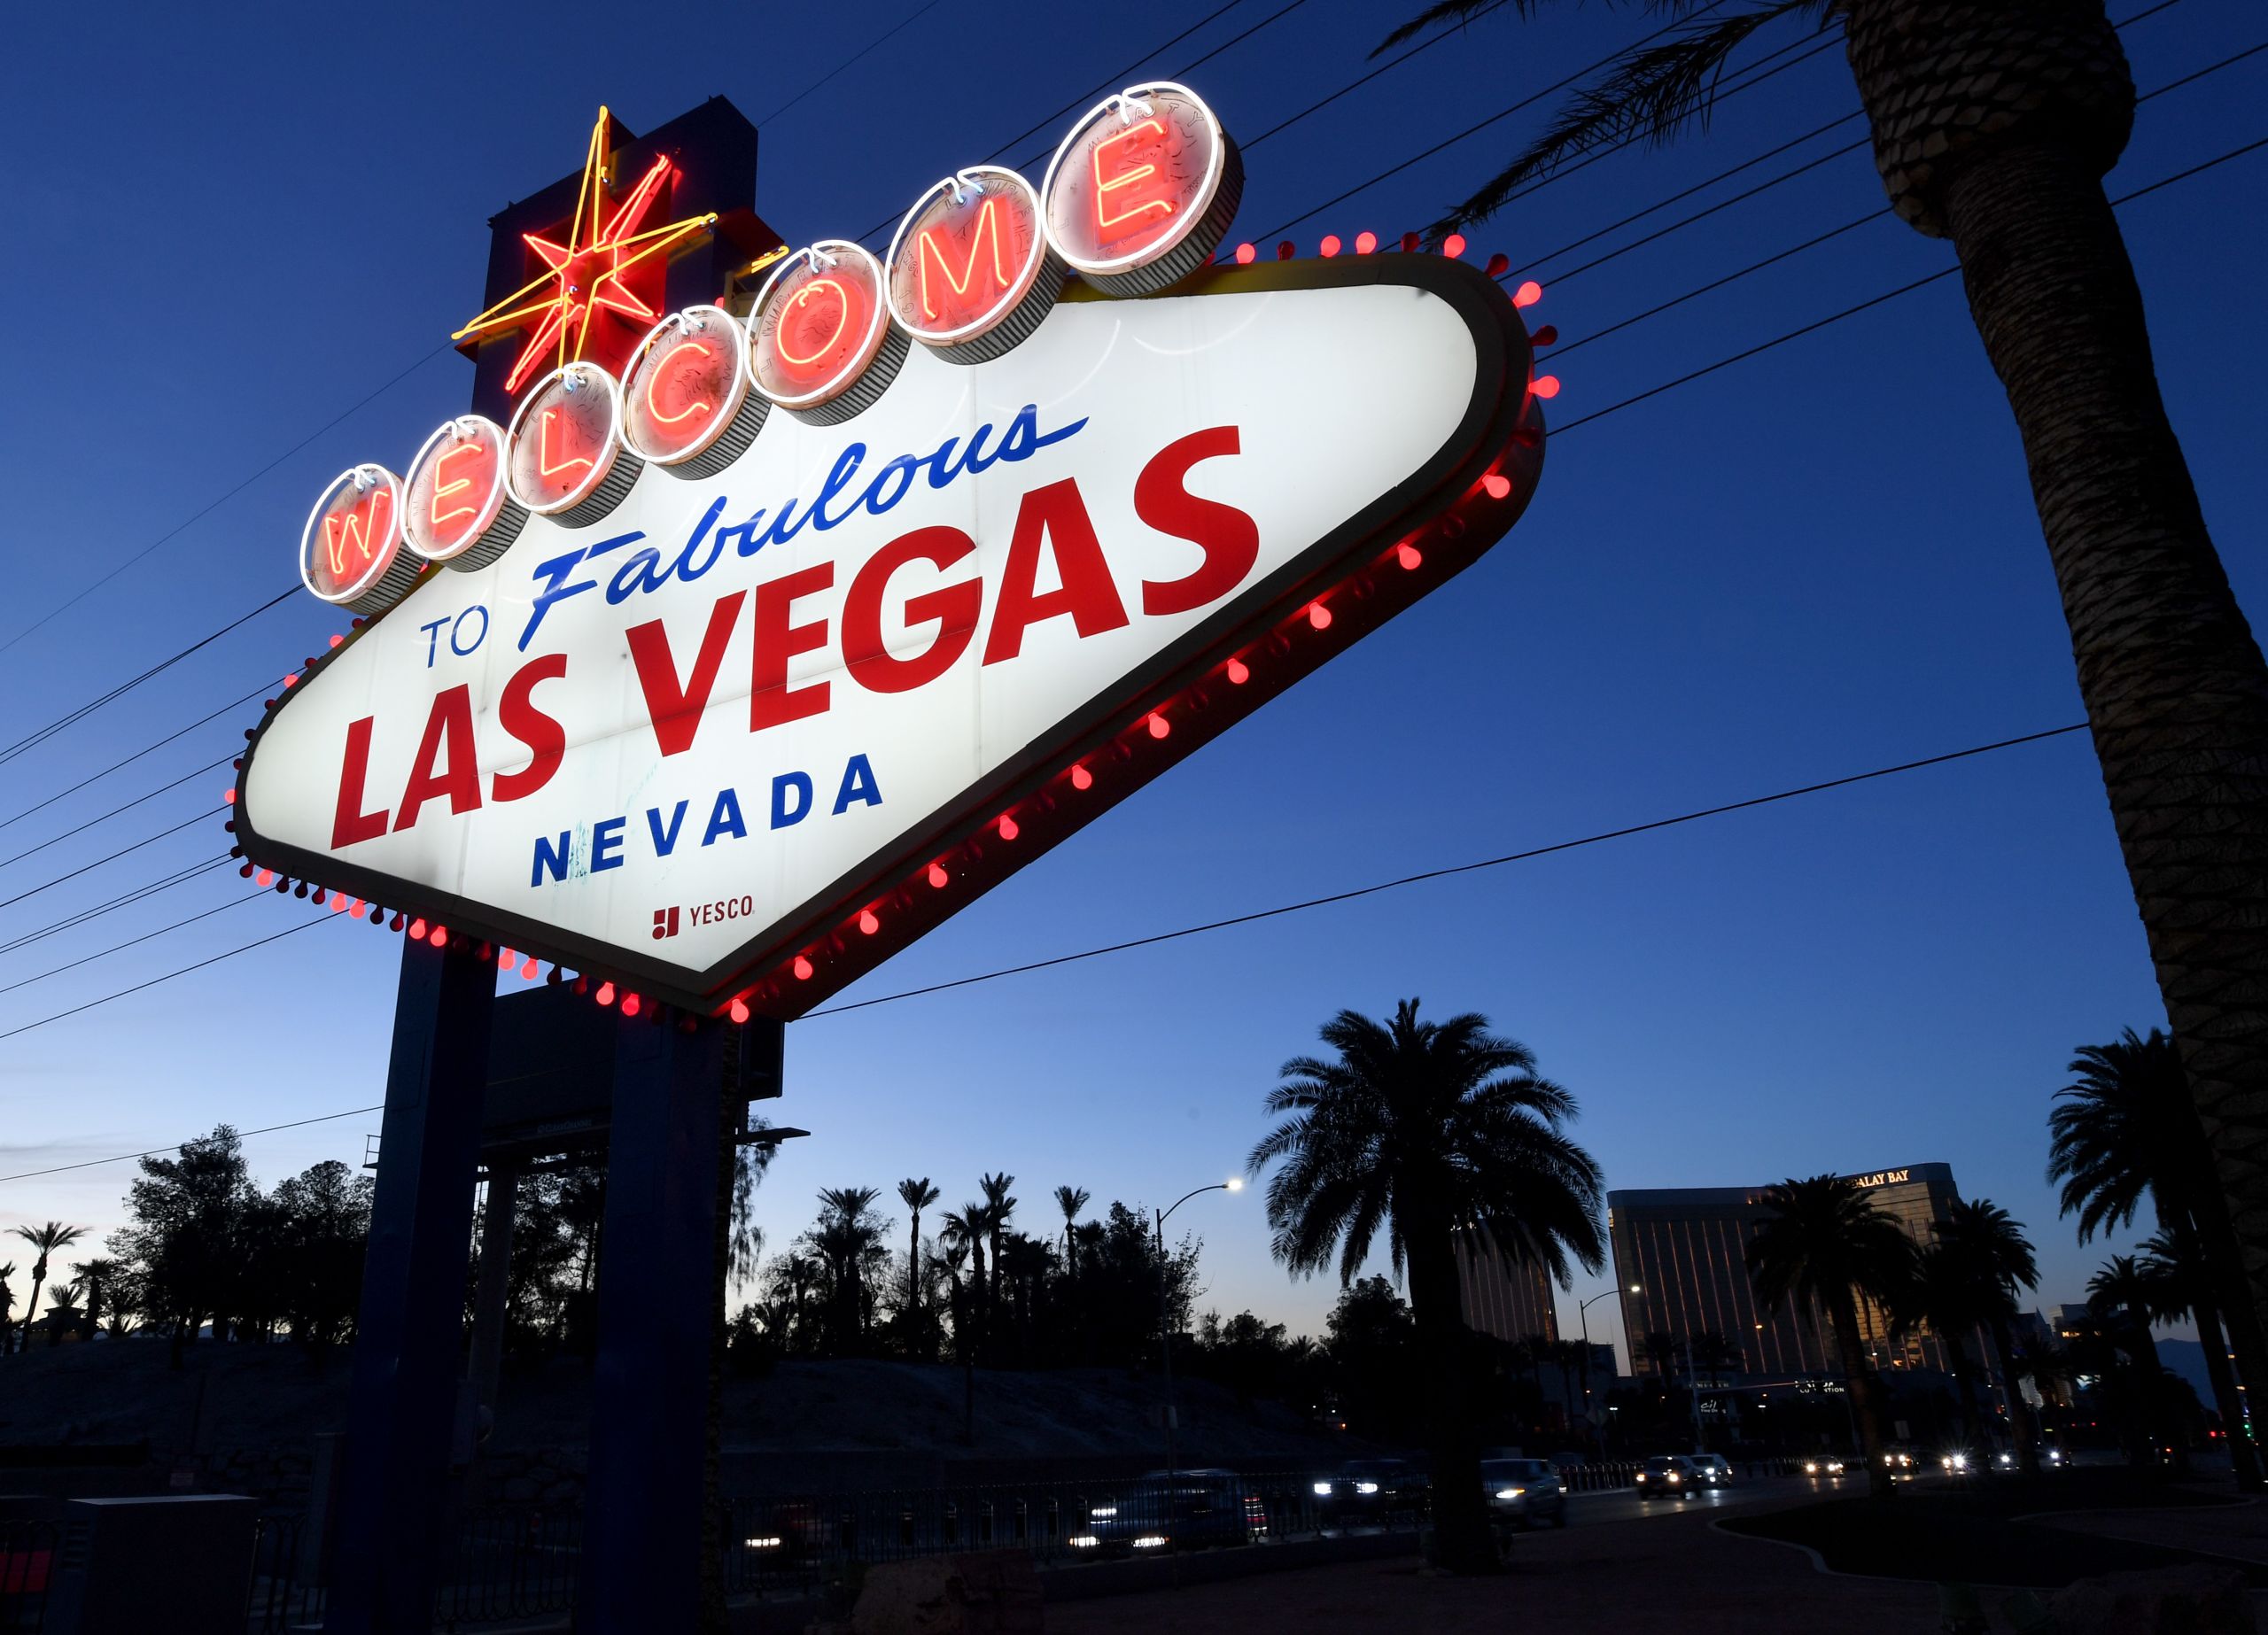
x,y
350,551
971,272
1142,189
456,509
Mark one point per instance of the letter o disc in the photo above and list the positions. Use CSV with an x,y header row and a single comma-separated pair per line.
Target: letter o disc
x,y
1142,189
685,402
568,461
350,551
821,342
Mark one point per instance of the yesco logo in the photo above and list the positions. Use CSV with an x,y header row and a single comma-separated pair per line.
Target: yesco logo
x,y
669,921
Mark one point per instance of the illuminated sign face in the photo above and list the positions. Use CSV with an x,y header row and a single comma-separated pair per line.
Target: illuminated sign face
x,y
738,743
1882,1178
350,551
821,342
455,508
1142,189
566,459
970,272
686,405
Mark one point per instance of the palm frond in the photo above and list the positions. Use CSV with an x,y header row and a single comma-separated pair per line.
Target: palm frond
x,y
1656,90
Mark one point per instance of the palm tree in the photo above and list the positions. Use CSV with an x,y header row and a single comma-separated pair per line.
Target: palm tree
x,y
97,1278
965,1229
847,1235
1824,1244
46,1239
999,1208
2125,1131
62,1302
2179,1289
1427,1130
1946,1298
7,1311
1994,1259
916,1196
1995,122
1070,1200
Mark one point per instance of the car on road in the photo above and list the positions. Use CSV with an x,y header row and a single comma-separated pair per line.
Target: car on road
x,y
1668,1475
2007,1461
1715,1469
1524,1491
1824,1465
1186,1510
1373,1489
1900,1459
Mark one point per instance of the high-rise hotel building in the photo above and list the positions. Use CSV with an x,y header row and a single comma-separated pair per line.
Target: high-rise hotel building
x,y
1509,1298
1685,1248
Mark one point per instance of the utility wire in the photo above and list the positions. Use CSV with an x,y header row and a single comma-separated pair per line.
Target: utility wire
x,y
1871,302
87,824
119,948
33,739
269,1129
126,899
168,976
238,703
149,840
903,23
1447,872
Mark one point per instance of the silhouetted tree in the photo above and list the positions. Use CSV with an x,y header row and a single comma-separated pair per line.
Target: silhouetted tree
x,y
1990,1253
45,1239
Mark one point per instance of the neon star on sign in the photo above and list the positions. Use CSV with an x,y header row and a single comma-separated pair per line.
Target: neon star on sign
x,y
589,275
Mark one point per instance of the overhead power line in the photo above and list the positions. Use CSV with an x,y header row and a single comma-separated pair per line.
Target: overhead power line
x,y
1179,934
266,1130
126,899
147,840
125,760
119,948
87,824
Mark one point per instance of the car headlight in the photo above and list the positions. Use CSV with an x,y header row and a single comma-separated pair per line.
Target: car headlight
x,y
1150,1541
1104,1510
1322,1489
1640,1477
1675,1477
1811,1467
1082,1541
1366,1487
770,1541
1510,1492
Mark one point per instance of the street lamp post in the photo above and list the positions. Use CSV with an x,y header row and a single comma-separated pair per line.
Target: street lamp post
x,y
1234,1183
1583,1316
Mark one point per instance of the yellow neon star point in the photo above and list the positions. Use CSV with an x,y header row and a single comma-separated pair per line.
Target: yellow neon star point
x,y
585,273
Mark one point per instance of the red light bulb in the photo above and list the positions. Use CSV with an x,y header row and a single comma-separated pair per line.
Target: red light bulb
x,y
1499,263
1008,827
632,1005
1365,242
1318,616
802,969
1246,254
739,1013
1159,725
1330,245
937,875
1453,245
605,996
1237,674
264,878
417,930
528,969
1528,294
1546,386
1410,557
1082,778
867,923
1286,249
227,797
335,641
440,937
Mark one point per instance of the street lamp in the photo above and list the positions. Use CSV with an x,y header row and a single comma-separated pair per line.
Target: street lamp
x,y
1234,1183
1583,1316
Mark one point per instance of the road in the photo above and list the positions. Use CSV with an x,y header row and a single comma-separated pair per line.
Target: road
x,y
1622,1505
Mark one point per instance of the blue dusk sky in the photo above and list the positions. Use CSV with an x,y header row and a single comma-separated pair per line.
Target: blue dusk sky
x,y
230,226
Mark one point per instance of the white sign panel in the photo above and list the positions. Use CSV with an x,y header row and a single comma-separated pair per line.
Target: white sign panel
x,y
708,741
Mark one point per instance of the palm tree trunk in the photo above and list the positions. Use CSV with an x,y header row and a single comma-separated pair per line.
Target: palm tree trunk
x,y
2175,688
2020,1421
913,1276
31,1312
1462,1541
1866,1393
2244,1460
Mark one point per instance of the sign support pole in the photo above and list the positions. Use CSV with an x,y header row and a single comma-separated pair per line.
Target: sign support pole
x,y
402,1401
642,1517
